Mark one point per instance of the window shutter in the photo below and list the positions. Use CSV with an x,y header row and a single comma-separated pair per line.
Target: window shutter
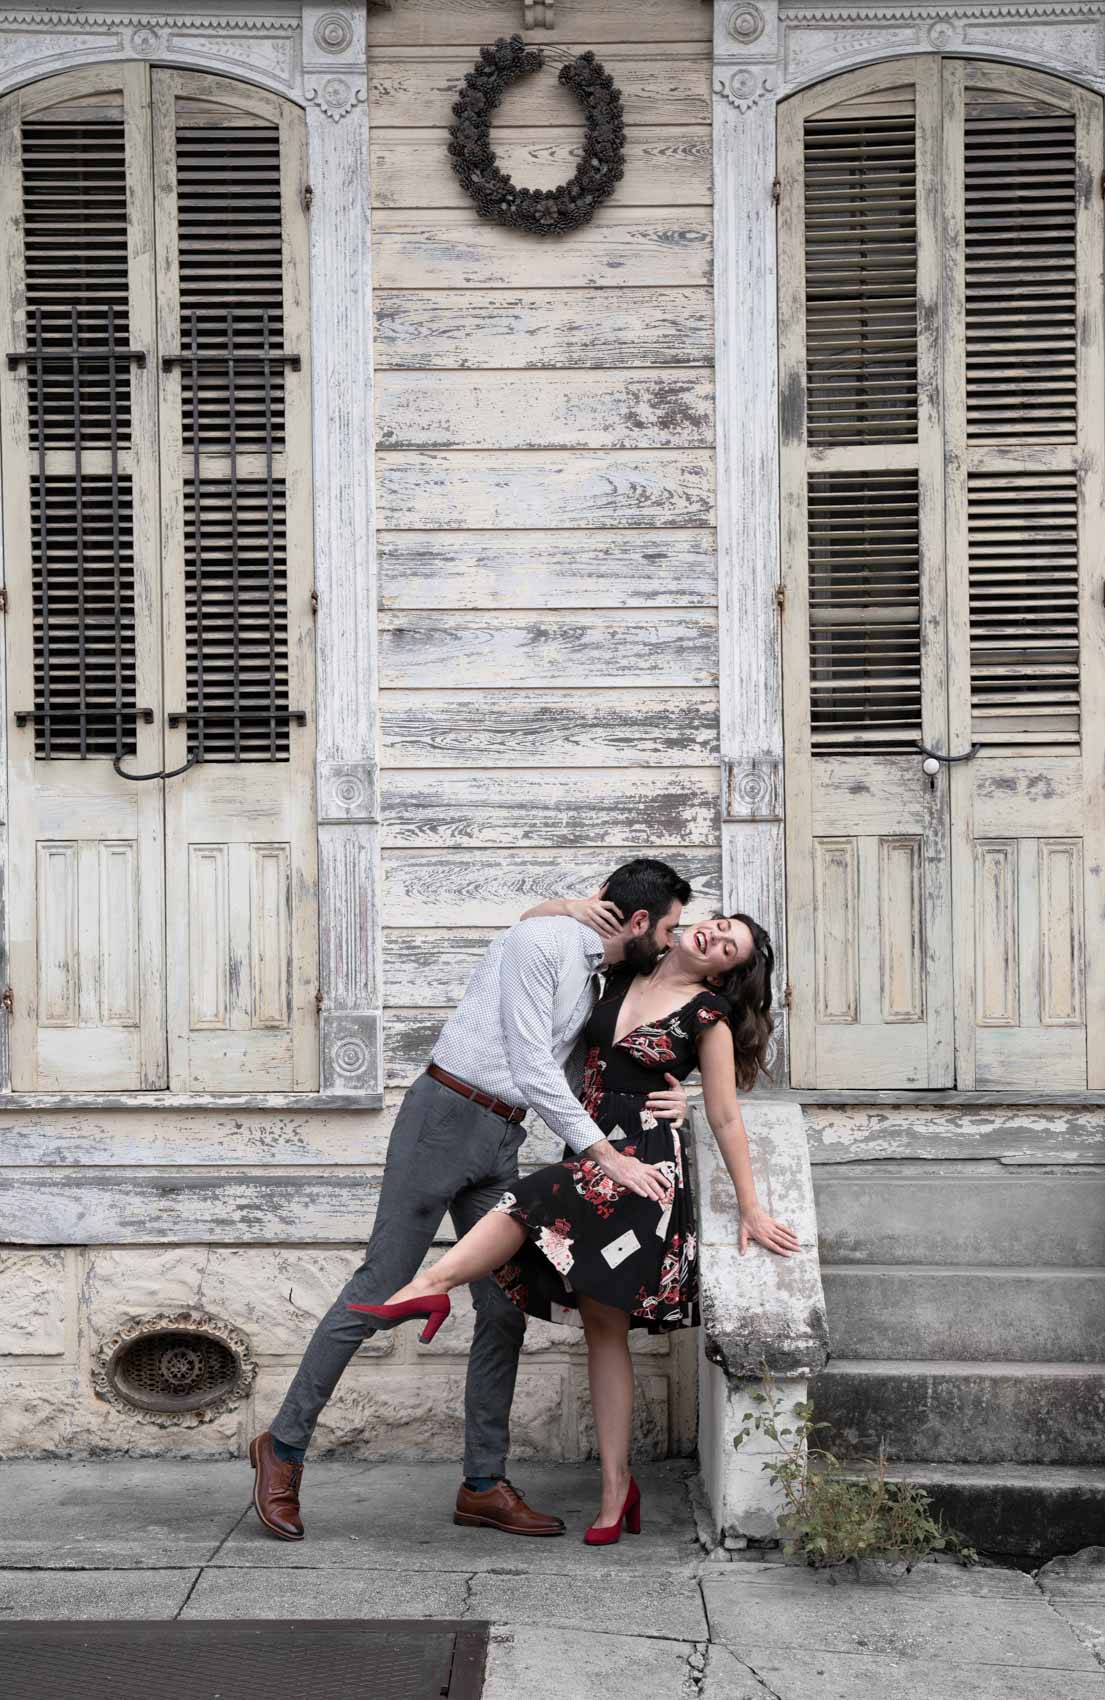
x,y
867,867
236,512
1024,383
81,562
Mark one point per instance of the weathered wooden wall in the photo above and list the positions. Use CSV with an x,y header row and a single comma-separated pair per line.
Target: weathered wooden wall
x,y
545,492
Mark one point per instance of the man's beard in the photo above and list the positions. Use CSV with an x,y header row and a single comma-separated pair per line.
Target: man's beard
x,y
643,953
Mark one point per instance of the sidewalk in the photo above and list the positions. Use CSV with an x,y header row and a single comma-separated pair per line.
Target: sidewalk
x,y
651,1619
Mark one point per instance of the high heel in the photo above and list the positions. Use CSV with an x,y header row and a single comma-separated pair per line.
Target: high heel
x,y
605,1534
435,1307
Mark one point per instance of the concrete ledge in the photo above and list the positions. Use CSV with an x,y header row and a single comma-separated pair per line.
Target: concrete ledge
x,y
760,1307
757,1309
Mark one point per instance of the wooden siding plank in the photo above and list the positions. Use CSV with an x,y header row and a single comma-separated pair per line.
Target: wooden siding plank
x,y
598,806
430,967
458,490
156,1207
492,888
442,651
409,1038
190,1138
664,167
657,409
621,246
548,729
462,329
547,569
470,23
406,92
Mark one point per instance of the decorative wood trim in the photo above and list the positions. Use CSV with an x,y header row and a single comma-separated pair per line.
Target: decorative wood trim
x,y
314,54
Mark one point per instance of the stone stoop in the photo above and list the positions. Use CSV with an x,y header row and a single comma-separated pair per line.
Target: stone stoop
x,y
966,1309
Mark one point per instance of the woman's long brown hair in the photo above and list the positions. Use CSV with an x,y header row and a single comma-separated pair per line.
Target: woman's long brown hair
x,y
748,989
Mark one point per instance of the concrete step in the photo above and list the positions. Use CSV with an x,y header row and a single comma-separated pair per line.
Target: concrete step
x,y
910,1311
963,1413
1020,1510
1025,1219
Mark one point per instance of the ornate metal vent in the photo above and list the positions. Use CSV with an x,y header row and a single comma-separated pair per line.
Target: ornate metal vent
x,y
1020,209
183,1368
864,603
1022,530
861,278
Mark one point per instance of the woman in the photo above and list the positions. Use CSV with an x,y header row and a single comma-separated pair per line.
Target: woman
x,y
568,1238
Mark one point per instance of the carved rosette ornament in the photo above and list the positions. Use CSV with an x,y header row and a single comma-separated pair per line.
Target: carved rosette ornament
x,y
186,1322
745,24
333,33
745,87
336,96
541,212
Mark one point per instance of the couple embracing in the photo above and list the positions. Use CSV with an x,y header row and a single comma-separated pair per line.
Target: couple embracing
x,y
608,1235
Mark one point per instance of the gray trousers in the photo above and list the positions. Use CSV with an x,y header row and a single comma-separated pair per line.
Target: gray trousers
x,y
445,1154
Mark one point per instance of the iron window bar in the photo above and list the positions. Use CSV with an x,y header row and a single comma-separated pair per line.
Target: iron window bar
x,y
205,717
77,358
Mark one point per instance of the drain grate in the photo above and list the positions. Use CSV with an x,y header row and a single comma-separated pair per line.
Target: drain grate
x,y
171,1371
206,1659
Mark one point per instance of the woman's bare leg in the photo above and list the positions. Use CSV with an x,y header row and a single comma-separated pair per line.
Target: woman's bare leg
x,y
610,1369
493,1241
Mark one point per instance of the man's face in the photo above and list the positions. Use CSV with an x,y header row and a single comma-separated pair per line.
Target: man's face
x,y
644,950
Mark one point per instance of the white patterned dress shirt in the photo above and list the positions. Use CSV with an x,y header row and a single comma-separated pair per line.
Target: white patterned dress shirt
x,y
516,1027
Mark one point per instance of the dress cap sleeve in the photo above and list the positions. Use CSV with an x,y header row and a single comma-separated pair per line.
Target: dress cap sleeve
x,y
709,1006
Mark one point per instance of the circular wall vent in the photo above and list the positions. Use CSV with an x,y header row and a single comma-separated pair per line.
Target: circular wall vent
x,y
174,1369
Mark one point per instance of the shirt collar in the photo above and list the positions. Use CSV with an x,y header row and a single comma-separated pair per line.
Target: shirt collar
x,y
593,948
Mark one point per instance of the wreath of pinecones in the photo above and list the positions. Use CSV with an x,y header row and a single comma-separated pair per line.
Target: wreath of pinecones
x,y
543,212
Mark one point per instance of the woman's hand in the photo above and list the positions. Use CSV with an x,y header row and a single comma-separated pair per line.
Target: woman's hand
x,y
670,1106
596,912
757,1225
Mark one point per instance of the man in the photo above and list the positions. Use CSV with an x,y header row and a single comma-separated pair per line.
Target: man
x,y
455,1147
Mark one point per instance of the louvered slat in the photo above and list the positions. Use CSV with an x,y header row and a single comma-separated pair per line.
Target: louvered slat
x,y
861,278
864,610
75,248
238,642
228,187
1023,567
1020,209
231,300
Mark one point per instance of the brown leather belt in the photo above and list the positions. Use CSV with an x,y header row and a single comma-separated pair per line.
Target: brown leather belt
x,y
509,1112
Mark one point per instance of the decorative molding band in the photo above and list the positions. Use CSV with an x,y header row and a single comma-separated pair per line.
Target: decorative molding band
x,y
351,1052
1066,39
348,791
752,791
15,18
261,47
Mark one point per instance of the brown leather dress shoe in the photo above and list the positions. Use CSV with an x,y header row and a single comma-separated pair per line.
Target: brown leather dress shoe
x,y
275,1490
502,1507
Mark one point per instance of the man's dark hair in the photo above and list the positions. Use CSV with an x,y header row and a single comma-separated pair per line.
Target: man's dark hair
x,y
646,884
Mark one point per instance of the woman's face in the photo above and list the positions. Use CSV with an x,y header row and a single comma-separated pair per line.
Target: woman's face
x,y
715,947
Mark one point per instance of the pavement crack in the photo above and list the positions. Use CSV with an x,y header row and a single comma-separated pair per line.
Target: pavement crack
x,y
771,1693
192,1588
1093,1646
696,1669
468,1580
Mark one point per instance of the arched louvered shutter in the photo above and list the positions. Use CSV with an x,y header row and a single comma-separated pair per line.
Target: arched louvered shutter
x,y
942,455
1024,392
236,526
868,878
158,563
82,570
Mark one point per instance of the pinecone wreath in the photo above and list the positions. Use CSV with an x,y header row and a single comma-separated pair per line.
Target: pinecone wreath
x,y
543,212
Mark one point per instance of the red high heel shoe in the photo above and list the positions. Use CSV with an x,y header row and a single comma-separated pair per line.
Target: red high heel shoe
x,y
435,1307
605,1534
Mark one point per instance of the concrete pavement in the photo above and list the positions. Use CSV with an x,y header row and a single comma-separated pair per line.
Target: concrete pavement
x,y
654,1618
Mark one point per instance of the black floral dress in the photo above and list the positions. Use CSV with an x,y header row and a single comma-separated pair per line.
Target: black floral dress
x,y
586,1235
